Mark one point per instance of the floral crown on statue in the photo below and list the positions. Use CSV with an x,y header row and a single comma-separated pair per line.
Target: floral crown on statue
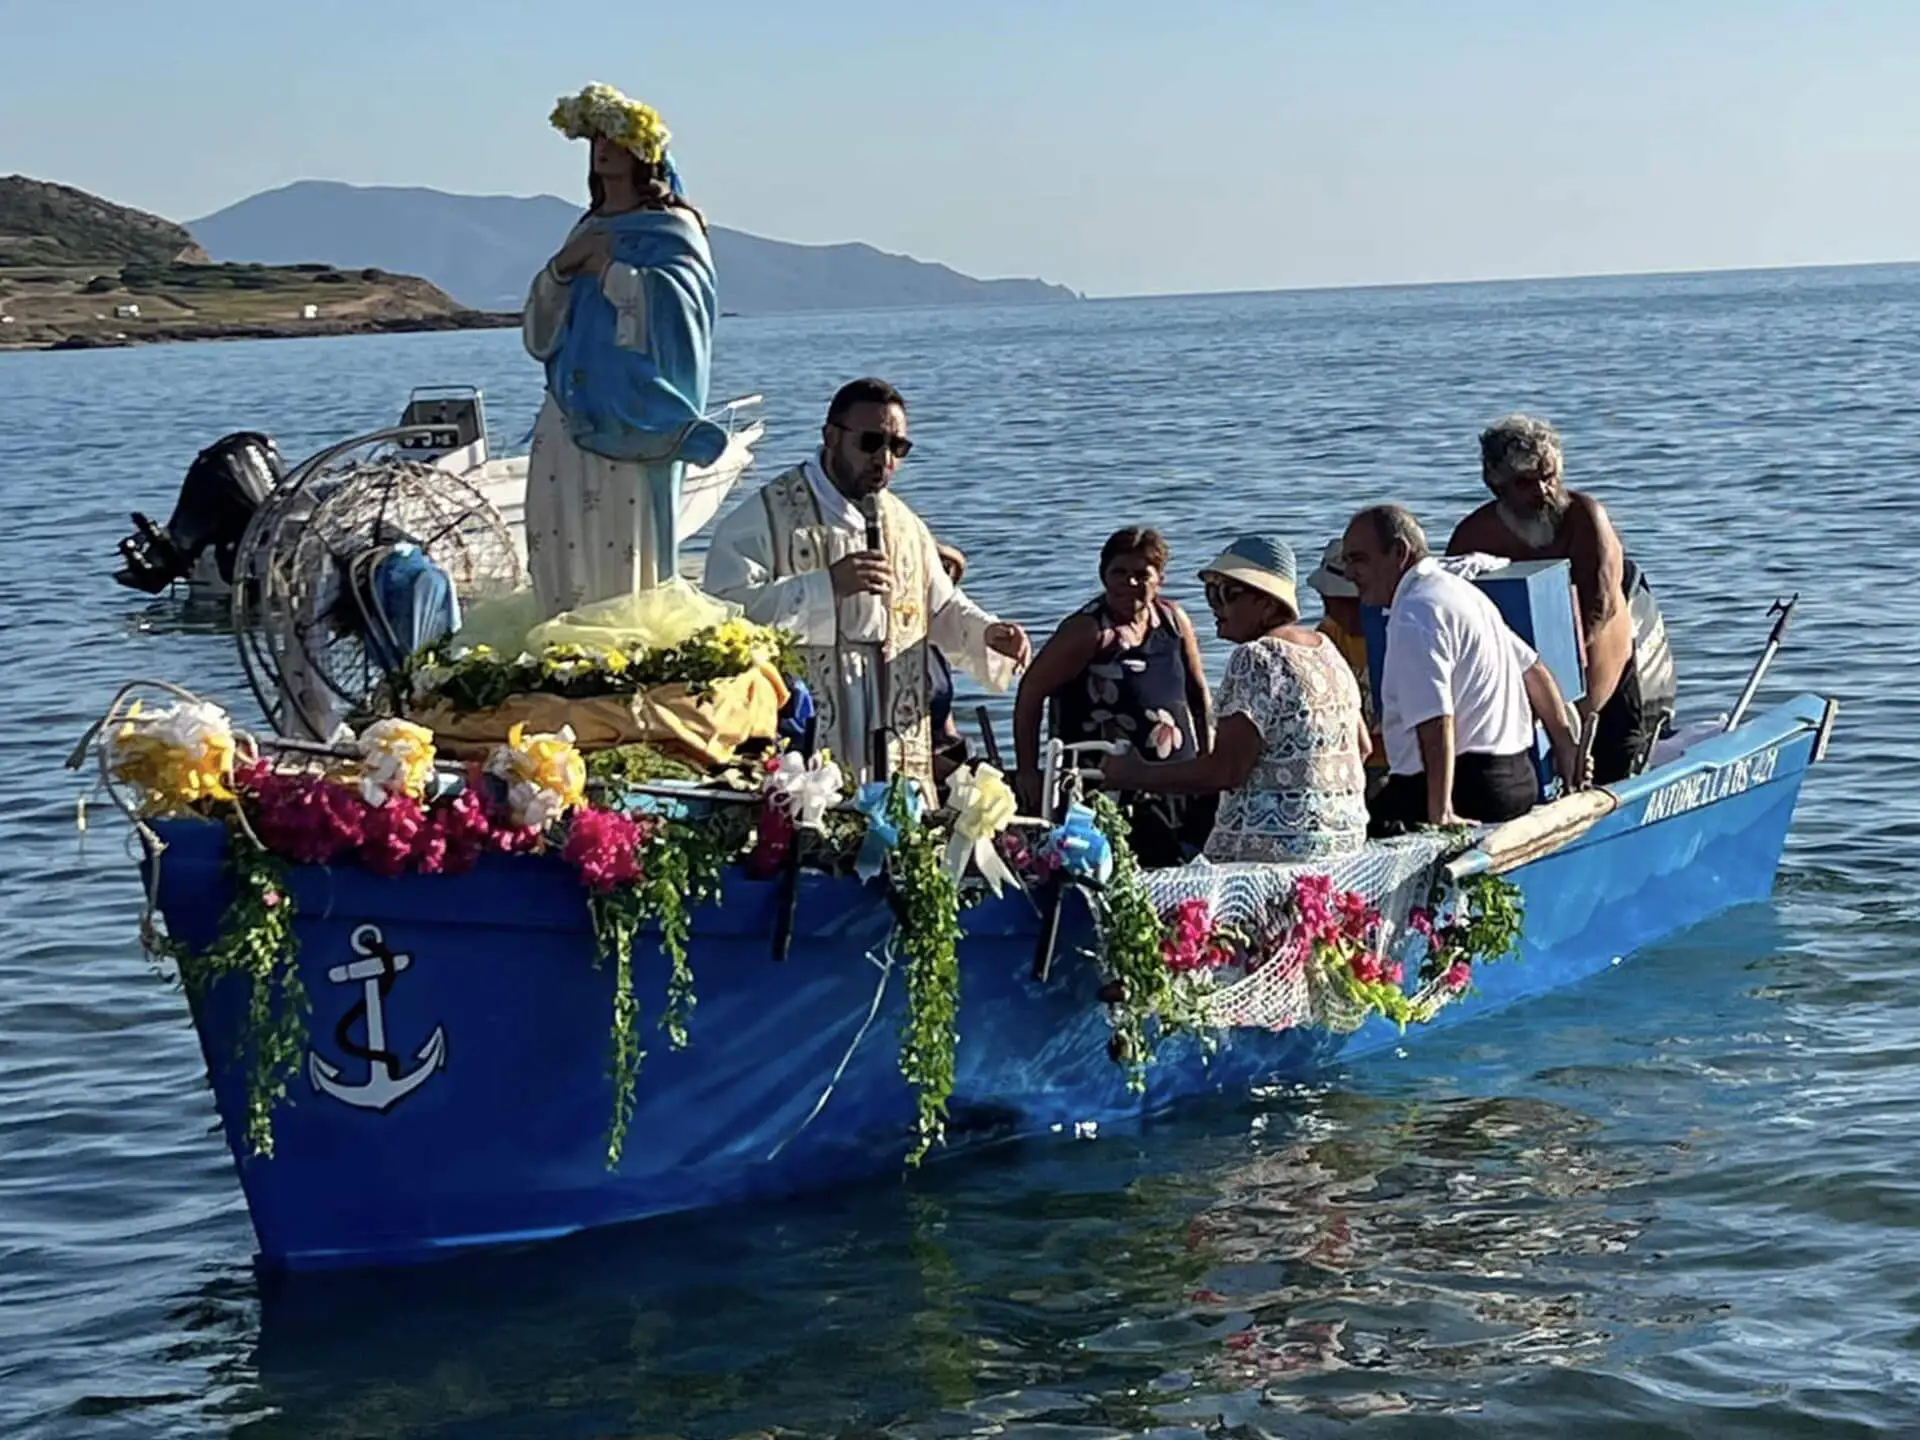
x,y
603,110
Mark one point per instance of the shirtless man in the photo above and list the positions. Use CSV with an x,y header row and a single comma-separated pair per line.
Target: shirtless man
x,y
1533,516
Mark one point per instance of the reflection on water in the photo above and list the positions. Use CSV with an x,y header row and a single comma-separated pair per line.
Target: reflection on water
x,y
1436,1241
1326,1253
178,613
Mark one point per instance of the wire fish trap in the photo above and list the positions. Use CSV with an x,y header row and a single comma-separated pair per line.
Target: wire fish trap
x,y
351,565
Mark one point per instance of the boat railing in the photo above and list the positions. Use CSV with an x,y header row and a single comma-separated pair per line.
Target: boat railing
x,y
733,410
1058,771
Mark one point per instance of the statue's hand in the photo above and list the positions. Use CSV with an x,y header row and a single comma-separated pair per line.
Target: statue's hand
x,y
586,254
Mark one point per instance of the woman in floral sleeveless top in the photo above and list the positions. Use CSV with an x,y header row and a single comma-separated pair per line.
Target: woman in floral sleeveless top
x,y
1290,745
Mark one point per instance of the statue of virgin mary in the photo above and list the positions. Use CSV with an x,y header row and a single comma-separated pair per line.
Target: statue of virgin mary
x,y
622,318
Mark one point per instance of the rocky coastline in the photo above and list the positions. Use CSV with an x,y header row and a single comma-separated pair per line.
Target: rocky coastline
x,y
172,334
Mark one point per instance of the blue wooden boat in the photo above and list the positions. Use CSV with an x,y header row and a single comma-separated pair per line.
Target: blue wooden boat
x,y
456,1090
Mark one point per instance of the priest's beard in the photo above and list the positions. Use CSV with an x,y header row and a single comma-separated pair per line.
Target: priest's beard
x,y
1536,528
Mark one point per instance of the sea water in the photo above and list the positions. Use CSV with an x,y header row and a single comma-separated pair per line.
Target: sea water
x,y
1678,1199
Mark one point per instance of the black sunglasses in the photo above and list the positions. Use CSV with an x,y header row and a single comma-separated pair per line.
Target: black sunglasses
x,y
871,440
1224,592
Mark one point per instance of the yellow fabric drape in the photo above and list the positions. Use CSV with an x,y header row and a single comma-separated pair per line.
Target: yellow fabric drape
x,y
703,728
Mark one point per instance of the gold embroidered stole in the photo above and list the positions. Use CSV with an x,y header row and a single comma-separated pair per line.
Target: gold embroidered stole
x,y
802,544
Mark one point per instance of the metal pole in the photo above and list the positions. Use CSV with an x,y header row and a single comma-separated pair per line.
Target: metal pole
x,y
988,738
1784,612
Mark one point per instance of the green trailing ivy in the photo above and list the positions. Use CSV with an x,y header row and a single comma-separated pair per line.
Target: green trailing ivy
x,y
681,863
256,940
927,931
1494,914
1487,913
618,917
619,766
1132,937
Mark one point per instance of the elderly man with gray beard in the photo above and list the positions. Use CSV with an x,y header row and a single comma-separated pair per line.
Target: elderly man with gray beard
x,y
1533,516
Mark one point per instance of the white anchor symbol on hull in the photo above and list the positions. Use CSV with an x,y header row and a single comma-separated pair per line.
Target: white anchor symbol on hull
x,y
384,1086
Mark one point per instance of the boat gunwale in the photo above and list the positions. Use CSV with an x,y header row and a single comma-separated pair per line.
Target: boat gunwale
x,y
1778,726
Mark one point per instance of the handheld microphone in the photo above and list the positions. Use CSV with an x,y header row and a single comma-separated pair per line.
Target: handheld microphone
x,y
882,756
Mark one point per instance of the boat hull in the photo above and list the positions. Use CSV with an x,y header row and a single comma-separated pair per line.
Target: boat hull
x,y
484,1119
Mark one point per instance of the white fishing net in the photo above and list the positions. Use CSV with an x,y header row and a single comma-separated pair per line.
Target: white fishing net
x,y
1277,992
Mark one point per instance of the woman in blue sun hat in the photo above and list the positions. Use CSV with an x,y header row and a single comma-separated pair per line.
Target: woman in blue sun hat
x,y
1290,743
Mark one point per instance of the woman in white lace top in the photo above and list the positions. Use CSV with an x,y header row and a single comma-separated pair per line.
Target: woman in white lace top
x,y
1290,747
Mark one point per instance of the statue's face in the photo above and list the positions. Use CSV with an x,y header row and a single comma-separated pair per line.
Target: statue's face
x,y
612,159
863,448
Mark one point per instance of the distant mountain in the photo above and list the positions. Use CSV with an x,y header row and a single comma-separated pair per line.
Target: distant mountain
x,y
42,223
483,250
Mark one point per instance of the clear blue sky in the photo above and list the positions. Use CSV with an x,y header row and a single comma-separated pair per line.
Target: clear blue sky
x,y
1119,147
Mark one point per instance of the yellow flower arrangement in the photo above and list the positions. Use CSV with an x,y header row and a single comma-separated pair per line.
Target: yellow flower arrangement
x,y
739,644
396,758
602,110
175,757
475,679
545,775
567,662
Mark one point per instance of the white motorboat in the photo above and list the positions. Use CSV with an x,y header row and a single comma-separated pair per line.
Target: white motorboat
x,y
442,425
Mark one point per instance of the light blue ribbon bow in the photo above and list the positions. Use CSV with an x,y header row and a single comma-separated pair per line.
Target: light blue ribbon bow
x,y
883,836
1079,847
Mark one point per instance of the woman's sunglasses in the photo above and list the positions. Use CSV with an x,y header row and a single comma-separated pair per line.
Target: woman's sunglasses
x,y
871,440
1224,592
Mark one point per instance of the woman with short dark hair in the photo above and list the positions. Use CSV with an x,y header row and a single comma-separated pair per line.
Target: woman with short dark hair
x,y
1125,666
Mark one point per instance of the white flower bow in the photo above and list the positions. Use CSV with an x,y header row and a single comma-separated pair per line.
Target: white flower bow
x,y
804,790
983,806
544,773
396,758
175,756
192,726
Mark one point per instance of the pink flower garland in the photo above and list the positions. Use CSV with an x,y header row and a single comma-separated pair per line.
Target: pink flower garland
x,y
1341,921
313,820
1457,976
771,845
1196,943
1035,866
604,846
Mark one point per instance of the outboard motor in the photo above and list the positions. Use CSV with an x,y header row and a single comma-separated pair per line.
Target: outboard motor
x,y
223,487
1652,653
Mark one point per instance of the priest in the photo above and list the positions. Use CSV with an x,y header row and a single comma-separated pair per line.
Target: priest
x,y
829,552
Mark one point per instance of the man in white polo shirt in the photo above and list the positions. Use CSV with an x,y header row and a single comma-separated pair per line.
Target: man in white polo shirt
x,y
1459,690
